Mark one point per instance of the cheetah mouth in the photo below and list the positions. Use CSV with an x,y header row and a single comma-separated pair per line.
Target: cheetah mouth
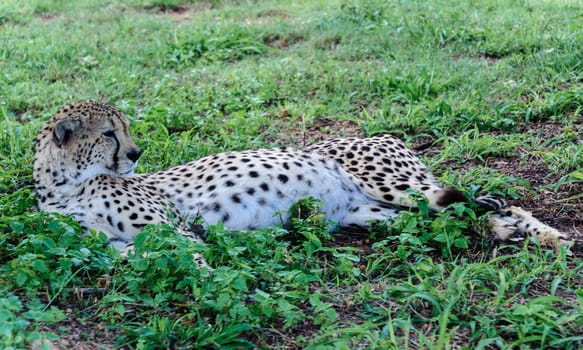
x,y
123,171
115,171
127,173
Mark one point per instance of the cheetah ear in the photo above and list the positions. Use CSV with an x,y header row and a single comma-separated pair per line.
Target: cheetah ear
x,y
64,130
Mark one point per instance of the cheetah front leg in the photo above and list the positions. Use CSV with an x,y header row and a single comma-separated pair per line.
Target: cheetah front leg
x,y
363,214
198,259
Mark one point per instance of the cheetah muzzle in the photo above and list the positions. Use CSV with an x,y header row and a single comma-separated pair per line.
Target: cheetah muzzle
x,y
85,159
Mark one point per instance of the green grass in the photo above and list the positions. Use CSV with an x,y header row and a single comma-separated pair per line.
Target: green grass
x,y
492,87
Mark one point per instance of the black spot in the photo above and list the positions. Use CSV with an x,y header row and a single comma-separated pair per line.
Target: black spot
x,y
236,198
283,178
250,191
253,174
106,203
264,187
226,217
402,187
229,183
120,226
388,197
133,216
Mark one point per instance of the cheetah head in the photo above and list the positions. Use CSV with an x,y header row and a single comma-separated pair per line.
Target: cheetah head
x,y
83,140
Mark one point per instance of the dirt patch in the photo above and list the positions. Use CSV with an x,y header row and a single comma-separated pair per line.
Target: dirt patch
x,y
283,42
179,12
491,59
487,57
319,130
48,19
328,43
274,12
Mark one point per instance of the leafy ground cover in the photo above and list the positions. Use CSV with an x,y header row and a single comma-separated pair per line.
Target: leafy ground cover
x,y
488,92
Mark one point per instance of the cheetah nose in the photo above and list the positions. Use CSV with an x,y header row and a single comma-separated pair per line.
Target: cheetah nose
x,y
134,154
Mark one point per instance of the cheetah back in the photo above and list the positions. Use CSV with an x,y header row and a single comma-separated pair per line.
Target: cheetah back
x,y
245,189
385,169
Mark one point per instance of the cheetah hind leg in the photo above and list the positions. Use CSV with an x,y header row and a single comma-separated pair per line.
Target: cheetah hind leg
x,y
516,224
362,215
511,223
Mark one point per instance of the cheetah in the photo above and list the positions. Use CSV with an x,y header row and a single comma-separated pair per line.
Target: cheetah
x,y
85,160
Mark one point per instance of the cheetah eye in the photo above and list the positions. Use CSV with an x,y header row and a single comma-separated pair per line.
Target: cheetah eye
x,y
109,133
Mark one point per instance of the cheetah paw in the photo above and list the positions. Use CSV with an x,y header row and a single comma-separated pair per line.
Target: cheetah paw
x,y
515,224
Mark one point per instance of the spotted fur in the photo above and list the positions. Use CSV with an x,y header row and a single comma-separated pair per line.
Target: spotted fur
x,y
85,159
